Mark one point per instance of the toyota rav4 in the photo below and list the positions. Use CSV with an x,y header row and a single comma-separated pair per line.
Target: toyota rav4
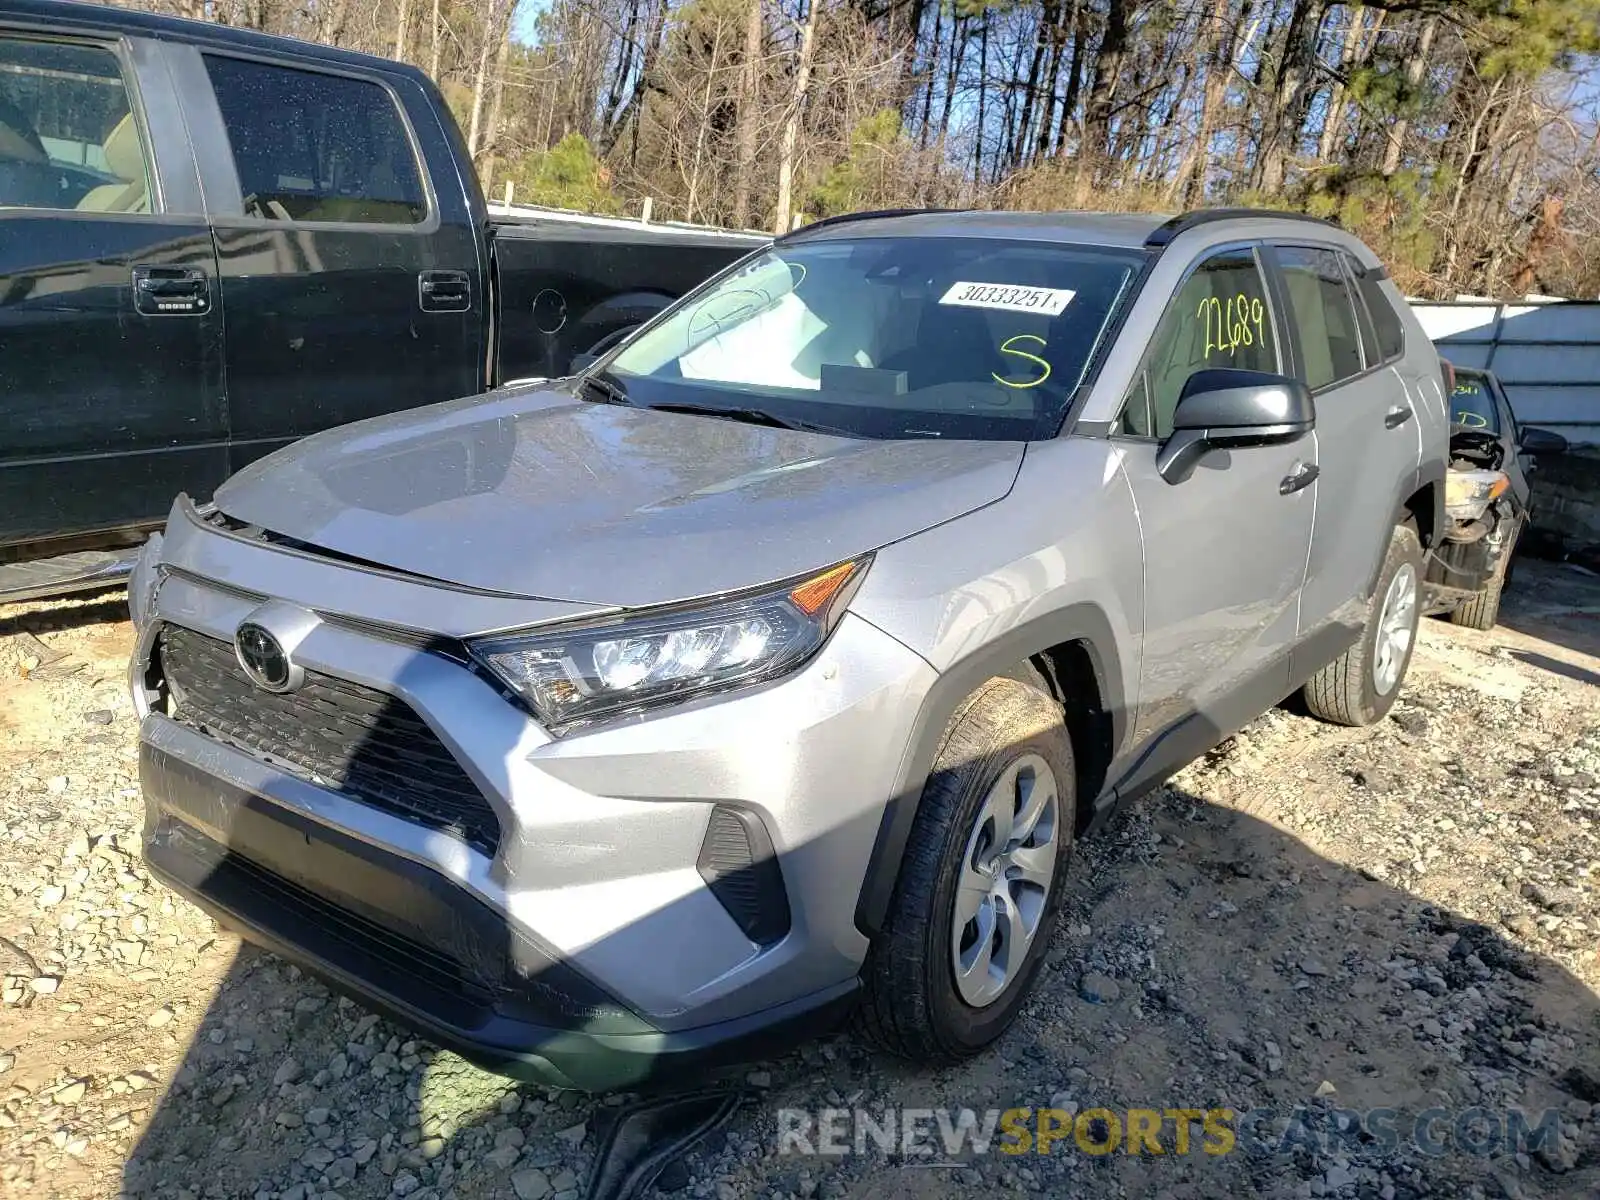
x,y
768,669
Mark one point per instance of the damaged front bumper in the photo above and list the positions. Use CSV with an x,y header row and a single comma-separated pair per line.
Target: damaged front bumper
x,y
1470,556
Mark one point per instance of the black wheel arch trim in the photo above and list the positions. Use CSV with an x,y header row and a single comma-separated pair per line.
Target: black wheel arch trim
x,y
1085,623
1431,477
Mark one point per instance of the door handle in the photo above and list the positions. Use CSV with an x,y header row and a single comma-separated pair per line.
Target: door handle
x,y
1397,416
170,291
444,291
1301,477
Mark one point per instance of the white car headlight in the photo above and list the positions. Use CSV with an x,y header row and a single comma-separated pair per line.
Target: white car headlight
x,y
577,674
1467,494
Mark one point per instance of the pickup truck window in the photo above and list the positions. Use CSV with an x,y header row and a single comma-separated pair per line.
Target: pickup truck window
x,y
68,139
890,337
314,147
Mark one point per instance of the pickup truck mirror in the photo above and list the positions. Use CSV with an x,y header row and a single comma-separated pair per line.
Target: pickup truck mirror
x,y
1224,408
1541,441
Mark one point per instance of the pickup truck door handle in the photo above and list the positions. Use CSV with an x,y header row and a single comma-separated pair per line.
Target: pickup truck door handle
x,y
1397,416
444,291
1301,477
170,291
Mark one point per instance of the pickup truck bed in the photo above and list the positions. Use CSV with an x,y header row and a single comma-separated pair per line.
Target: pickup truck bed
x,y
214,242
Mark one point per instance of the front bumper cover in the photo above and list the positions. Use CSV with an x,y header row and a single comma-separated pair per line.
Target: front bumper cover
x,y
405,940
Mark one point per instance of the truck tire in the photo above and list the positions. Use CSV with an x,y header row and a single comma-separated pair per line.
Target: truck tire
x,y
1483,610
942,982
1359,687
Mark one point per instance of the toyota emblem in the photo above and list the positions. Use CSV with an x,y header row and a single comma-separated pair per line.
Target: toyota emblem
x,y
264,659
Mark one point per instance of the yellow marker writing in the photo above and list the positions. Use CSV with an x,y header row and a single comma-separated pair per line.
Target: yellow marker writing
x,y
1006,348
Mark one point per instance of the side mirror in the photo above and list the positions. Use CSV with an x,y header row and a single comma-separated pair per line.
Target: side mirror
x,y
1541,441
1223,408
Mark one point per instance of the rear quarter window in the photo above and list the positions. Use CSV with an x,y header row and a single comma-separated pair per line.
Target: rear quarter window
x,y
1386,322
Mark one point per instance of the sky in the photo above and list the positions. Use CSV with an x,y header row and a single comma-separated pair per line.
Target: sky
x,y
527,13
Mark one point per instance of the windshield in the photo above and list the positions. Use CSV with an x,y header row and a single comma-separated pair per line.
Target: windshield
x,y
889,337
1472,404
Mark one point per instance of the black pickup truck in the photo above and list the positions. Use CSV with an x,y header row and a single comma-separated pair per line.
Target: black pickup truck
x,y
213,242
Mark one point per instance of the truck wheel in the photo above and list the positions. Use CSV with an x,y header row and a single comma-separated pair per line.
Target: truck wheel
x,y
981,883
1483,610
1359,687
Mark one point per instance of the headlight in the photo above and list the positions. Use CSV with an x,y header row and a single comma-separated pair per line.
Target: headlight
x,y
575,675
1468,493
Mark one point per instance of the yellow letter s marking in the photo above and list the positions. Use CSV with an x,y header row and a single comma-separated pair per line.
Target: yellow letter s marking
x,y
1006,348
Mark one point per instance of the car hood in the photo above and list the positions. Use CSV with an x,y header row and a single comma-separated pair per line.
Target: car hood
x,y
539,494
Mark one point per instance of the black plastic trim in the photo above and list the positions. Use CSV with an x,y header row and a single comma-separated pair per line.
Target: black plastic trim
x,y
1166,233
739,865
1079,622
559,1028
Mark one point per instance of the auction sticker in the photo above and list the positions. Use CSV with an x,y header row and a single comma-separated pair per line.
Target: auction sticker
x,y
1010,297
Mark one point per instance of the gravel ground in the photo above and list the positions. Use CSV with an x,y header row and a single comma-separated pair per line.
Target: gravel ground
x,y
1311,921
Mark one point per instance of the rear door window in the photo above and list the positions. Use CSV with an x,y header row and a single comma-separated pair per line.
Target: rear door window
x,y
1324,314
68,136
314,147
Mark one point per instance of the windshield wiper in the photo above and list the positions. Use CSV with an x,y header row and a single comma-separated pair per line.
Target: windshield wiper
x,y
610,388
750,416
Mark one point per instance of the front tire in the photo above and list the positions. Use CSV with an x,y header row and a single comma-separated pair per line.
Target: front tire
x,y
1483,610
1359,687
981,883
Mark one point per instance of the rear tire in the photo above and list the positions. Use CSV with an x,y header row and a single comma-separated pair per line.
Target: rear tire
x,y
1359,687
969,924
1482,612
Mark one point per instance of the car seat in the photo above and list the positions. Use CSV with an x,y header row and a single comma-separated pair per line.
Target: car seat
x,y
125,158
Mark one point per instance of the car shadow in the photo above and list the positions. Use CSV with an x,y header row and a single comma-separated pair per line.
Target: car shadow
x,y
92,608
1246,972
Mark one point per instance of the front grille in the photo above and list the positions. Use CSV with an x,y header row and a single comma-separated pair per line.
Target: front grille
x,y
341,735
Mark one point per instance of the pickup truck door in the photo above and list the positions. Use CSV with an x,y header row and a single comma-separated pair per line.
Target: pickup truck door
x,y
111,394
1225,549
348,245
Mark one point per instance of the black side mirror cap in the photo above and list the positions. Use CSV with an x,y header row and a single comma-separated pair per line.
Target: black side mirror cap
x,y
1221,407
1541,441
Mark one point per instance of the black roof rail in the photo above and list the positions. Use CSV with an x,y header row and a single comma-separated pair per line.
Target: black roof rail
x,y
1165,232
871,214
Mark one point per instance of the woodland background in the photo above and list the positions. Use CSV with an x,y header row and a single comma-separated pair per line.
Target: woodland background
x,y
1461,138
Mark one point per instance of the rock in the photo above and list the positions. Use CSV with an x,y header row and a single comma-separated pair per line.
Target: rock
x,y
318,1158
1313,967
1556,1154
52,896
431,1147
72,1092
512,1137
1508,1184
159,1018
531,1184
288,1071
1099,989
45,985
317,1116
99,716
363,1151
1432,1028
1326,1088
139,1080
501,1158
1582,1083
6,1062
404,1184
509,1103
573,1135
1337,1176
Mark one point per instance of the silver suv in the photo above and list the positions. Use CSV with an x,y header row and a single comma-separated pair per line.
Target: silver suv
x,y
649,719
